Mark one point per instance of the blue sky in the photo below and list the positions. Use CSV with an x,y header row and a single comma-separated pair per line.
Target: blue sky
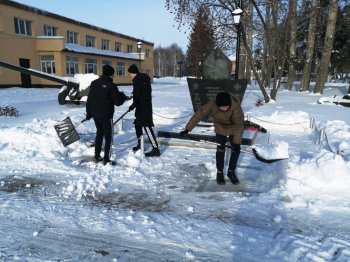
x,y
144,19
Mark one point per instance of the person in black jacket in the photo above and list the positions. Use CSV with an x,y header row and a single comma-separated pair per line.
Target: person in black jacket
x,y
142,103
103,95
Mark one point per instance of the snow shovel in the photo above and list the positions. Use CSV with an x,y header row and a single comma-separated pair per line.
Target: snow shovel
x,y
253,152
67,132
260,158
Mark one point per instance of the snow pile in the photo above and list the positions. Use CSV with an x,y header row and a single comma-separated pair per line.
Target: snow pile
x,y
275,150
85,80
323,180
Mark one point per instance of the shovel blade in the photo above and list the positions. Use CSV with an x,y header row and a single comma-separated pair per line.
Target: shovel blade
x,y
265,160
66,132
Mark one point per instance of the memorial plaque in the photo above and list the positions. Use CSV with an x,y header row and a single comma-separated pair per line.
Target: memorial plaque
x,y
203,90
216,78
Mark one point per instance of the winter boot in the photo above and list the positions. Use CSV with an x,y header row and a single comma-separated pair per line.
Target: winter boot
x,y
98,158
154,152
137,147
232,176
220,178
108,161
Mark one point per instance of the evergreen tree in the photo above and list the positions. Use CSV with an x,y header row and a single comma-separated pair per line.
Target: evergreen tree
x,y
201,42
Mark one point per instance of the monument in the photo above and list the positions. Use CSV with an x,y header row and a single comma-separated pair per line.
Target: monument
x,y
216,78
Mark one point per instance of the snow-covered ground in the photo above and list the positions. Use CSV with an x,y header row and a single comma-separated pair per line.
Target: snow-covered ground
x,y
55,205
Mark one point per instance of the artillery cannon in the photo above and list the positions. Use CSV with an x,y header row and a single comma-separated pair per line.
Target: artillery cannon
x,y
69,92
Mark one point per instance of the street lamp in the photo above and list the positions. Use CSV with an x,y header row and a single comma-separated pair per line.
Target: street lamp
x,y
139,48
237,14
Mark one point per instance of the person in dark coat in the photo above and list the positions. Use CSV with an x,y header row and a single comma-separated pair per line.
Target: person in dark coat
x,y
142,103
102,98
228,121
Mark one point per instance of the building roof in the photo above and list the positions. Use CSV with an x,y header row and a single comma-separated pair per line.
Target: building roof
x,y
69,47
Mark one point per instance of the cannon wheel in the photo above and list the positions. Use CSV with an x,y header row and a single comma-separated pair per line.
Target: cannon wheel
x,y
64,91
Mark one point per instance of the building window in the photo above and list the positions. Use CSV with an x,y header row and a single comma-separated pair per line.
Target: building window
x,y
105,44
90,66
48,64
23,27
118,47
90,41
147,53
129,48
72,65
50,30
72,37
120,69
106,62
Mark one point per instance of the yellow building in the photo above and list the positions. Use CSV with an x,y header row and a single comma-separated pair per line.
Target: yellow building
x,y
54,44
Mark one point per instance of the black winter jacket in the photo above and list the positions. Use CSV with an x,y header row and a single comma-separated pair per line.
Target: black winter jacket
x,y
103,95
142,100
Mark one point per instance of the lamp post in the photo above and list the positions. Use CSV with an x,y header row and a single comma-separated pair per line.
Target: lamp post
x,y
139,48
237,14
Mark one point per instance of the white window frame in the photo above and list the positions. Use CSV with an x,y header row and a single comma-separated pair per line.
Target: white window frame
x,y
118,47
90,66
120,69
72,37
90,41
72,65
105,44
129,48
50,30
147,52
47,63
22,26
106,62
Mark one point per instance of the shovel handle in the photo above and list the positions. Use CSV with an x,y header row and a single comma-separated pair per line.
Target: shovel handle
x,y
116,121
82,121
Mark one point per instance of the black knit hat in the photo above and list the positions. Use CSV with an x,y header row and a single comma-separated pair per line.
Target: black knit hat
x,y
107,70
133,69
223,99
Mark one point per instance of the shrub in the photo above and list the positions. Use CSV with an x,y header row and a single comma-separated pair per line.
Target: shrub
x,y
8,111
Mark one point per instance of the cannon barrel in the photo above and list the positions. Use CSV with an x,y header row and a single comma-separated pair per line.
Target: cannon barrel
x,y
65,91
40,74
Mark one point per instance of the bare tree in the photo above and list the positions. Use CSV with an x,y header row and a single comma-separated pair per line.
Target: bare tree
x,y
305,80
327,48
176,55
159,59
245,67
273,26
292,41
166,59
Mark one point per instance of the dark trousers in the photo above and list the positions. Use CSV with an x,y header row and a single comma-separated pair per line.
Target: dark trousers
x,y
104,131
150,134
220,153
